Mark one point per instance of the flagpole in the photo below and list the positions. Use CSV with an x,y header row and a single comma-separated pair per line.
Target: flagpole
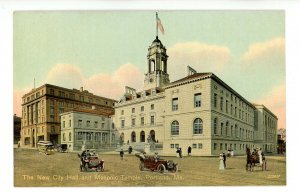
x,y
156,26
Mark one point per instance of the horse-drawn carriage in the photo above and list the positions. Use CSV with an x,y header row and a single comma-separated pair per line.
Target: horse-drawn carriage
x,y
253,159
154,163
89,161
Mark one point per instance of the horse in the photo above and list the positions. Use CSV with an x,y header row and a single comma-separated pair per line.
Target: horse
x,y
252,159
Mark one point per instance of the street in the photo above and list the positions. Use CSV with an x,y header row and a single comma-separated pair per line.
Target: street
x,y
32,169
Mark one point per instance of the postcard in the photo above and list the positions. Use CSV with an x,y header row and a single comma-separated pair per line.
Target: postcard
x,y
149,98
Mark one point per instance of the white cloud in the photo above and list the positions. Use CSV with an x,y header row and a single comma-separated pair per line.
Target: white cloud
x,y
269,53
202,57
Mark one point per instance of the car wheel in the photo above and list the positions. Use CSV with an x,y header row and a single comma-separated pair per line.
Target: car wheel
x,y
142,166
161,168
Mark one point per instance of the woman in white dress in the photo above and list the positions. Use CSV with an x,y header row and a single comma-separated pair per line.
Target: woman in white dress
x,y
260,156
221,166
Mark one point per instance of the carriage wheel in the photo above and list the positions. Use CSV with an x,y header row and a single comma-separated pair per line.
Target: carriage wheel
x,y
161,168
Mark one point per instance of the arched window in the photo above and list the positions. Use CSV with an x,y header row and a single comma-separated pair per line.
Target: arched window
x,y
70,136
142,136
175,128
64,137
198,126
215,125
133,137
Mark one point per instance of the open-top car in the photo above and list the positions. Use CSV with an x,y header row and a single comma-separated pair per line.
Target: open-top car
x,y
62,147
89,161
154,163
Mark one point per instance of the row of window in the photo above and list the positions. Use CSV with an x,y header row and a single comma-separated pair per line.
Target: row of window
x,y
197,127
142,109
142,121
38,130
88,124
197,102
241,103
228,146
194,146
248,134
243,115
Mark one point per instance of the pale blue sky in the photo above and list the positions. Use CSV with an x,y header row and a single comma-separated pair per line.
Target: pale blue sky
x,y
100,42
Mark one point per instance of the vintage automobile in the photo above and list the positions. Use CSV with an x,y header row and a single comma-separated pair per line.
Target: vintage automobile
x,y
62,147
45,147
154,163
90,161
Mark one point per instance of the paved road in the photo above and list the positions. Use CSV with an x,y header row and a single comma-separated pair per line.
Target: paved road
x,y
62,169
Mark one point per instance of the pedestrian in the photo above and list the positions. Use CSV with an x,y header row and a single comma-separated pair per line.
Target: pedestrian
x,y
122,154
189,150
180,153
259,152
224,159
221,162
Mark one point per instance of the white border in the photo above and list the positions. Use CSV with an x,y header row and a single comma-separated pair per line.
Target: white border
x,y
6,87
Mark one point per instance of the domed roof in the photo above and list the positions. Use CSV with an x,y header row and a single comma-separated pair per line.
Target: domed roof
x,y
156,41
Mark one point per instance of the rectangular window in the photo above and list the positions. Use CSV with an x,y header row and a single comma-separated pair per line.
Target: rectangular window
x,y
122,112
197,100
52,129
72,96
235,111
226,106
96,124
152,120
133,110
215,146
51,91
79,123
81,98
142,120
221,146
122,123
174,104
69,123
194,145
64,124
176,145
51,102
172,146
221,103
152,106
142,108
51,111
132,122
51,118
200,145
102,125
215,100
225,146
222,125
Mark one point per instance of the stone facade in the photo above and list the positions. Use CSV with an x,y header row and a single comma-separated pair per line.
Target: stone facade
x,y
42,106
88,128
199,110
265,129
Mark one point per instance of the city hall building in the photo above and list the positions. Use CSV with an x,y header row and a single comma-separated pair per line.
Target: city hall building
x,y
199,110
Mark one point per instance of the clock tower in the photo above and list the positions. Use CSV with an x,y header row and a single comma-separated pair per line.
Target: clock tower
x,y
157,75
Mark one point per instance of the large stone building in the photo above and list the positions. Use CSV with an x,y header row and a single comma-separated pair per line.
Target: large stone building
x,y
265,129
41,109
199,110
89,128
